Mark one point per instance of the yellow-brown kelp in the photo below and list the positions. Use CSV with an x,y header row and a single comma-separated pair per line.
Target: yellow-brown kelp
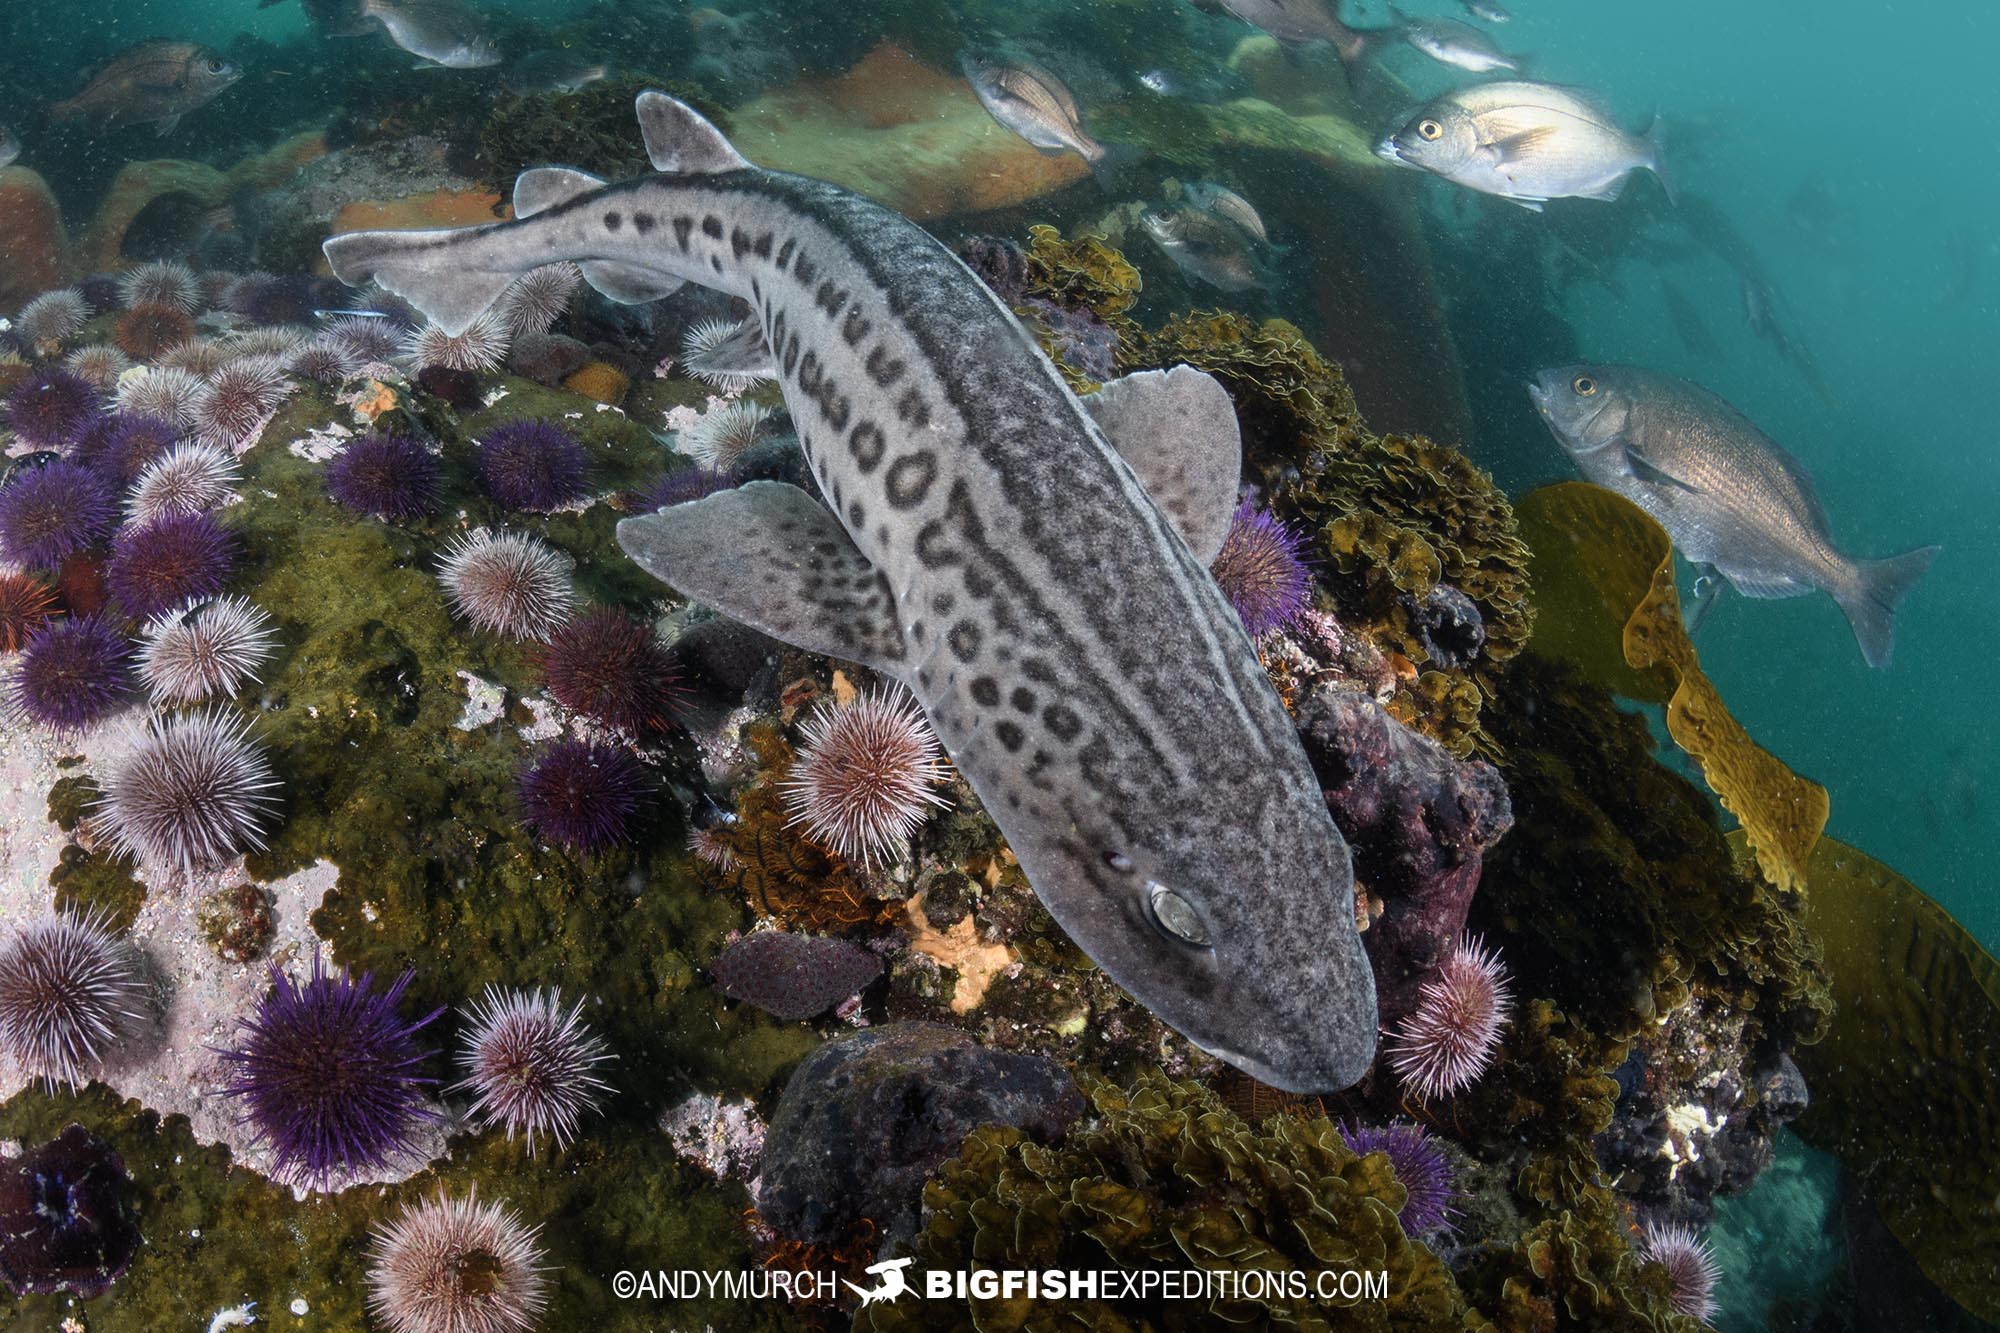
x,y
1604,576
1906,1086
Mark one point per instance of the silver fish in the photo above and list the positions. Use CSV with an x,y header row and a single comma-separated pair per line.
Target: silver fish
x,y
443,32
1314,21
1725,492
152,83
1032,566
1225,203
1450,42
1031,102
1525,142
550,71
1486,11
10,147
1203,246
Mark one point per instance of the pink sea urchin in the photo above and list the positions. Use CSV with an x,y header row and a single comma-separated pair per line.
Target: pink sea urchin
x,y
99,365
539,297
54,317
530,1065
164,395
204,650
509,583
1447,1041
238,400
69,991
483,346
866,776
1691,1267
163,282
187,479
192,793
457,1266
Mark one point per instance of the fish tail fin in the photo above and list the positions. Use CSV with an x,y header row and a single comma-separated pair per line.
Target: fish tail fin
x,y
1869,600
1656,157
436,271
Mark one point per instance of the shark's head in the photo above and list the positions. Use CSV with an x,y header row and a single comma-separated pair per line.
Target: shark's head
x,y
1231,917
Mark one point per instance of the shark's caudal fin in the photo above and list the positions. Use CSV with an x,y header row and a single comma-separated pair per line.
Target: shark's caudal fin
x,y
428,269
1870,600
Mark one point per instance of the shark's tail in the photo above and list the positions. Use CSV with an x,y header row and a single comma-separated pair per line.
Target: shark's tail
x,y
1870,597
436,271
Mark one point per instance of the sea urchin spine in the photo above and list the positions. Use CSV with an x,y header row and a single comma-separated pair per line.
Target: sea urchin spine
x,y
457,1266
1448,1040
69,991
866,777
530,1064
192,793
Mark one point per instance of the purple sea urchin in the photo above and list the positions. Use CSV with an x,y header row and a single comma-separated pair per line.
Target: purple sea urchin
x,y
509,583
99,365
582,795
52,408
163,282
71,674
69,992
53,511
389,476
204,650
193,793
188,479
482,347
66,1221
457,1266
533,465
164,395
1691,1268
1447,1041
607,666
1261,570
866,777
54,317
530,1065
238,400
329,1075
121,445
539,297
1429,1188
171,560
460,388
689,483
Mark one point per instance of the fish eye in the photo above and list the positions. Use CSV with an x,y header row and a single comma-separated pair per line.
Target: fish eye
x,y
1174,917
1430,129
1584,385
214,66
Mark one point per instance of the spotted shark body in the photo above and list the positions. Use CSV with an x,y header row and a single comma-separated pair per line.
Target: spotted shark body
x,y
1032,565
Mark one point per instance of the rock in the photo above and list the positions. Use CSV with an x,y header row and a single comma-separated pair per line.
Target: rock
x,y
31,238
866,1119
1418,821
902,133
401,183
66,1220
793,976
136,187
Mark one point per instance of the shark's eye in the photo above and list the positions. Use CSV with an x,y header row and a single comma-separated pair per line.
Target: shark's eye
x,y
1174,917
1430,130
1584,385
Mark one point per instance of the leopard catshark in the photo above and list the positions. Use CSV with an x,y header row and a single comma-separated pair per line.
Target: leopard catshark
x,y
1031,565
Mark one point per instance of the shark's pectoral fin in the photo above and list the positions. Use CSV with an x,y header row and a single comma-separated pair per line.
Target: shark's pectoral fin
x,y
680,141
741,352
771,556
1177,431
429,269
630,284
540,188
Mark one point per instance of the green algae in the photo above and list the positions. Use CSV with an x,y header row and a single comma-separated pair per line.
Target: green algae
x,y
90,882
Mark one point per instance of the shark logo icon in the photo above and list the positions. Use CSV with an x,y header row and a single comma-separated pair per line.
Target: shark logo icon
x,y
893,1285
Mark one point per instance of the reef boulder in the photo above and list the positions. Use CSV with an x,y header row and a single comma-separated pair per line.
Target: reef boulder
x,y
866,1119
31,238
66,1220
1418,820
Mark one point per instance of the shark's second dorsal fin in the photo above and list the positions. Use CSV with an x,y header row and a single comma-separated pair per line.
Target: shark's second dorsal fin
x,y
1176,429
771,556
680,141
540,188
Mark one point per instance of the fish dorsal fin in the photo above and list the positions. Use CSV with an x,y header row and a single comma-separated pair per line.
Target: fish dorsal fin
x,y
541,188
773,557
1176,429
1647,471
680,141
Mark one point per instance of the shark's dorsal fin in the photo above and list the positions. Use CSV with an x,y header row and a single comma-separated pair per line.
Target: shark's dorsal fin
x,y
773,557
680,141
540,188
1177,431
